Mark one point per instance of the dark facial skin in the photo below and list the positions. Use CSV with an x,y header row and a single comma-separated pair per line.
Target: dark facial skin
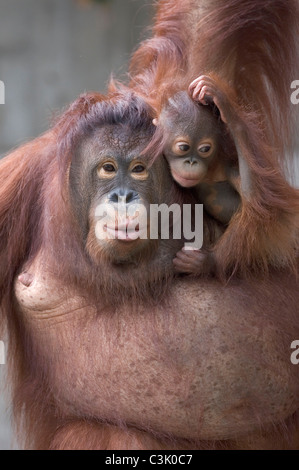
x,y
192,139
108,169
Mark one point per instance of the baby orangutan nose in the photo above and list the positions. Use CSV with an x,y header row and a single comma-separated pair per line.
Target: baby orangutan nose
x,y
190,161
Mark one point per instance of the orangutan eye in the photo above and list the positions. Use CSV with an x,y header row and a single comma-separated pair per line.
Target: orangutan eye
x,y
108,167
107,170
184,147
205,150
181,148
138,169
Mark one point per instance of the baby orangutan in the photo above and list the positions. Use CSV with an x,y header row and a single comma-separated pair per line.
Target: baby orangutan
x,y
201,154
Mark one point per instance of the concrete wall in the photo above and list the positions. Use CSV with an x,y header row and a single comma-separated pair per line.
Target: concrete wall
x,y
50,52
53,50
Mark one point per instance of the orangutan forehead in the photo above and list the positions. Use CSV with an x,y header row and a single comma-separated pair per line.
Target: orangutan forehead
x,y
119,137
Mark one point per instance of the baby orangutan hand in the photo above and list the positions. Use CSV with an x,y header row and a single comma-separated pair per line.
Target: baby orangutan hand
x,y
206,90
193,261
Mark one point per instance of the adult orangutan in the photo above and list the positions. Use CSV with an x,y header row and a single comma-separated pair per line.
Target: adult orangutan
x,y
105,352
107,348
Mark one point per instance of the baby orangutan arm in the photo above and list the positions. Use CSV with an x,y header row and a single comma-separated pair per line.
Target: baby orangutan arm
x,y
206,89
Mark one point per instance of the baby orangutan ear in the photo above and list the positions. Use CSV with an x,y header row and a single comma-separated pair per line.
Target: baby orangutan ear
x,y
155,122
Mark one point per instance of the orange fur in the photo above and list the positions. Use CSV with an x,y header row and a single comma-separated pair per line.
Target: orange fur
x,y
35,214
250,48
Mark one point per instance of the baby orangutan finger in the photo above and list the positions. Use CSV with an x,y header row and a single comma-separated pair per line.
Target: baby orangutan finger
x,y
193,262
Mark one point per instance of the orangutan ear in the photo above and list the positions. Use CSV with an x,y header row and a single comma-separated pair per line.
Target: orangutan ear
x,y
155,122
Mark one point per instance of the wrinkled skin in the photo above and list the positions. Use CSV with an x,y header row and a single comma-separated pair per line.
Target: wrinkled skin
x,y
218,369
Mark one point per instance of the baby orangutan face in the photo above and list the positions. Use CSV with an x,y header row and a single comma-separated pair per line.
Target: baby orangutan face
x,y
192,136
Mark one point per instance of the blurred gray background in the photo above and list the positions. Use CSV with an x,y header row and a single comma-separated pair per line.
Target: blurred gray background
x,y
50,52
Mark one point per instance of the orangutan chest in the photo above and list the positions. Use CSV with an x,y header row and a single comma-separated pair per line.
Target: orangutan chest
x,y
199,372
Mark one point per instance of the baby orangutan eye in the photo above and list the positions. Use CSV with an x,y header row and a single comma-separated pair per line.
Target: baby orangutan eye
x,y
184,147
181,148
107,170
205,150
